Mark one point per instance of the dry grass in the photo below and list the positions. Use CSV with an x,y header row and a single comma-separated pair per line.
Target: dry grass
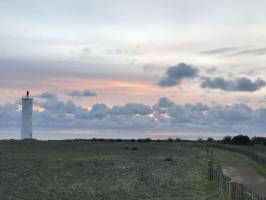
x,y
102,170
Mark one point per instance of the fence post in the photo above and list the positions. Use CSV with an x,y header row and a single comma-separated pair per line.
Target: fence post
x,y
232,190
210,170
212,157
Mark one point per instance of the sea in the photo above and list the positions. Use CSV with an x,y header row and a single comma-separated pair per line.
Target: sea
x,y
60,134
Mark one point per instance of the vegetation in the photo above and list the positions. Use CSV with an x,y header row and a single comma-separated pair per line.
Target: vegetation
x,y
227,140
241,140
260,169
237,140
81,169
209,139
259,140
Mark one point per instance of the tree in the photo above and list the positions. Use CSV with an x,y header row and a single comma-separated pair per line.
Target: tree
x,y
241,140
227,140
210,139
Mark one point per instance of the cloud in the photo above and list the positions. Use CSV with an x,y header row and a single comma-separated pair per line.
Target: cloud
x,y
9,115
47,95
236,51
132,109
85,93
219,51
174,75
262,100
254,52
165,115
211,70
53,105
241,84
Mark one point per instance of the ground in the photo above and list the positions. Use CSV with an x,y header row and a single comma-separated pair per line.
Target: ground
x,y
72,170
243,170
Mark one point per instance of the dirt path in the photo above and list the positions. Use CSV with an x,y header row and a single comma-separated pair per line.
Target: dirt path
x,y
239,170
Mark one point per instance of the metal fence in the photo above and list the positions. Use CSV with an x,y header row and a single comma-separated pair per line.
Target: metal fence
x,y
235,191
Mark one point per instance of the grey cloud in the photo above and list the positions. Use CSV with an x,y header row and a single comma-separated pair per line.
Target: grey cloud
x,y
131,109
262,100
164,104
164,115
69,107
230,114
99,111
47,95
211,70
133,52
85,93
241,84
14,72
236,51
86,50
255,52
53,105
176,74
219,51
9,115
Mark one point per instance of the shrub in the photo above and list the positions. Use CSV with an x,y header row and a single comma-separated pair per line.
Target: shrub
x,y
168,159
140,140
210,139
135,148
259,140
227,140
147,140
200,140
170,140
241,140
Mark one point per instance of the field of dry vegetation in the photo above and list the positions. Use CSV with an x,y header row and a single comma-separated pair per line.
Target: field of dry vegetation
x,y
70,170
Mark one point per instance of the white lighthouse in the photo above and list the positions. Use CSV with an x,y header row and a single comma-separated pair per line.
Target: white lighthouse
x,y
26,121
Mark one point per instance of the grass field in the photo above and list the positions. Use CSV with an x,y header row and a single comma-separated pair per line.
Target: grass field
x,y
72,170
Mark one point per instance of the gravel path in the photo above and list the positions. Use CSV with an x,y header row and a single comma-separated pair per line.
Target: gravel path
x,y
239,170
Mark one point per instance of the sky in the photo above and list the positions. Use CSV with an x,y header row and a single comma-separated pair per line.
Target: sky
x,y
146,65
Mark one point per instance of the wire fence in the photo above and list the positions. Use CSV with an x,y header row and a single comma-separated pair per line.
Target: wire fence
x,y
232,189
242,150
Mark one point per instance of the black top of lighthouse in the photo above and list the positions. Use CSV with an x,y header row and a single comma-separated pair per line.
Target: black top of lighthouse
x,y
28,97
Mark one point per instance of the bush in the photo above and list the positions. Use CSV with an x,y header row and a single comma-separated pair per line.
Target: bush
x,y
200,139
210,139
147,140
170,140
178,140
135,148
241,140
227,140
259,140
140,140
168,159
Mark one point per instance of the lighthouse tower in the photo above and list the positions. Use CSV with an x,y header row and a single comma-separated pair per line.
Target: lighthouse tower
x,y
26,121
